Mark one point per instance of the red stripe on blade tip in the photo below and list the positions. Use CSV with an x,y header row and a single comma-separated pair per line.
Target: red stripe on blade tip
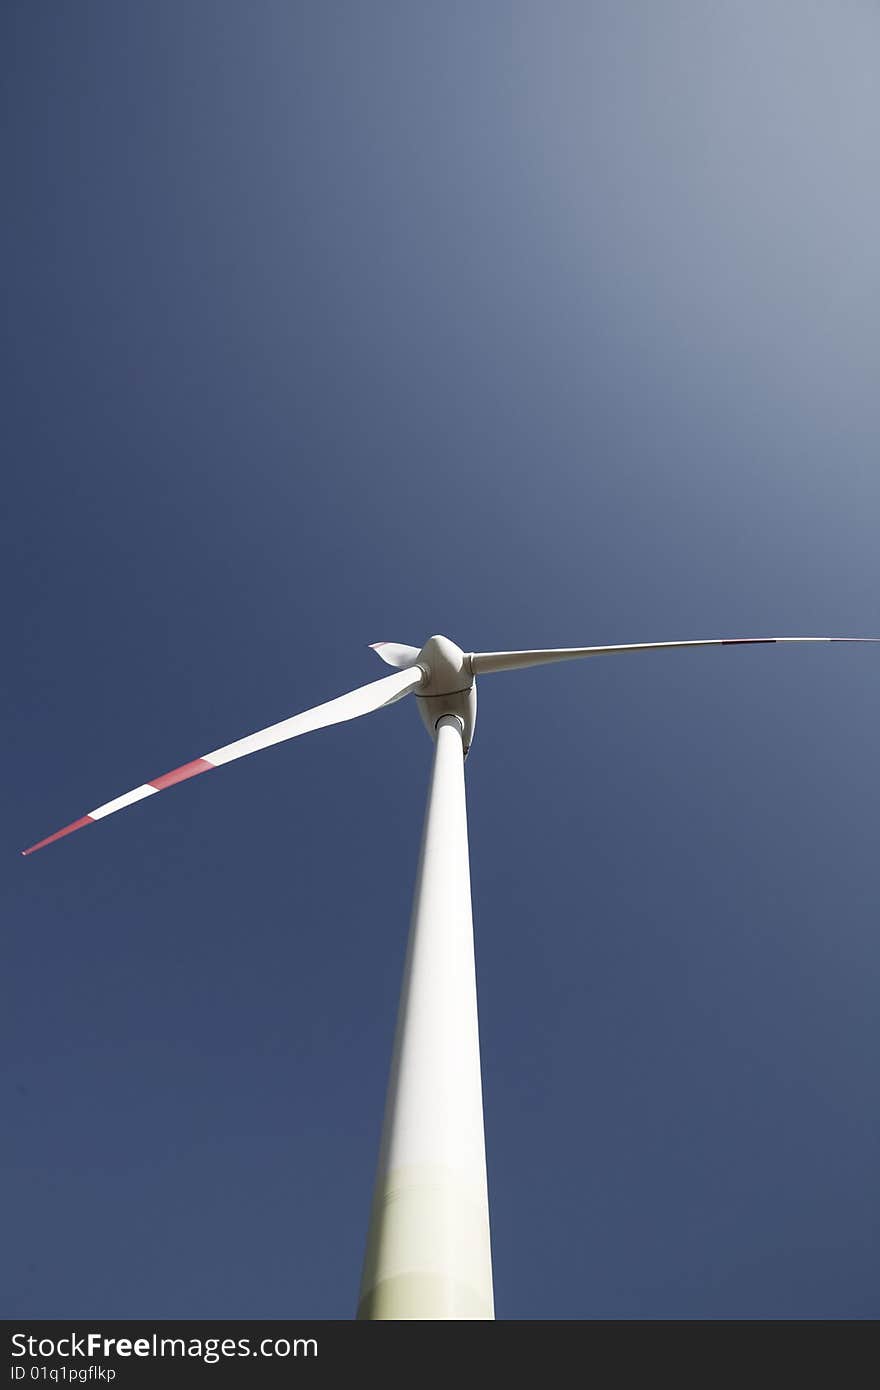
x,y
180,774
59,834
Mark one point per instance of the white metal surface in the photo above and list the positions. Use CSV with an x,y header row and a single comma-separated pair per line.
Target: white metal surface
x,y
428,1253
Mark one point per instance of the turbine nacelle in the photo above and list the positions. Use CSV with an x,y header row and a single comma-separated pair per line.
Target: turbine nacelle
x,y
449,687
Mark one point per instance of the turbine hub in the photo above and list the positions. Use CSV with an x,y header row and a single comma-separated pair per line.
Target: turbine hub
x,y
444,666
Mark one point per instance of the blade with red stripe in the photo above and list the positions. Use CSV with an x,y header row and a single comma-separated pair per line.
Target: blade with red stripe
x,y
364,700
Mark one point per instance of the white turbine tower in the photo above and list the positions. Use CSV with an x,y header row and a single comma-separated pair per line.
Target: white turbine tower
x,y
428,1253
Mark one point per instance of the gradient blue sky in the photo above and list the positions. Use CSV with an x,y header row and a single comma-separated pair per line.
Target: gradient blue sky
x,y
532,324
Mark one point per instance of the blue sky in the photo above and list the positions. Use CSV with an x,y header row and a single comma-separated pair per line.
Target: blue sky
x,y
532,324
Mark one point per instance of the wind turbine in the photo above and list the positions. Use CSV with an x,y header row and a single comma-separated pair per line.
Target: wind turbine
x,y
428,1253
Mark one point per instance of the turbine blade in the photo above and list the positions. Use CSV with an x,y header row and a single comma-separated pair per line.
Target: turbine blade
x,y
364,700
395,653
482,663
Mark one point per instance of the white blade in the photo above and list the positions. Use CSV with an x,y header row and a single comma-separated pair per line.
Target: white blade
x,y
357,702
484,662
395,653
